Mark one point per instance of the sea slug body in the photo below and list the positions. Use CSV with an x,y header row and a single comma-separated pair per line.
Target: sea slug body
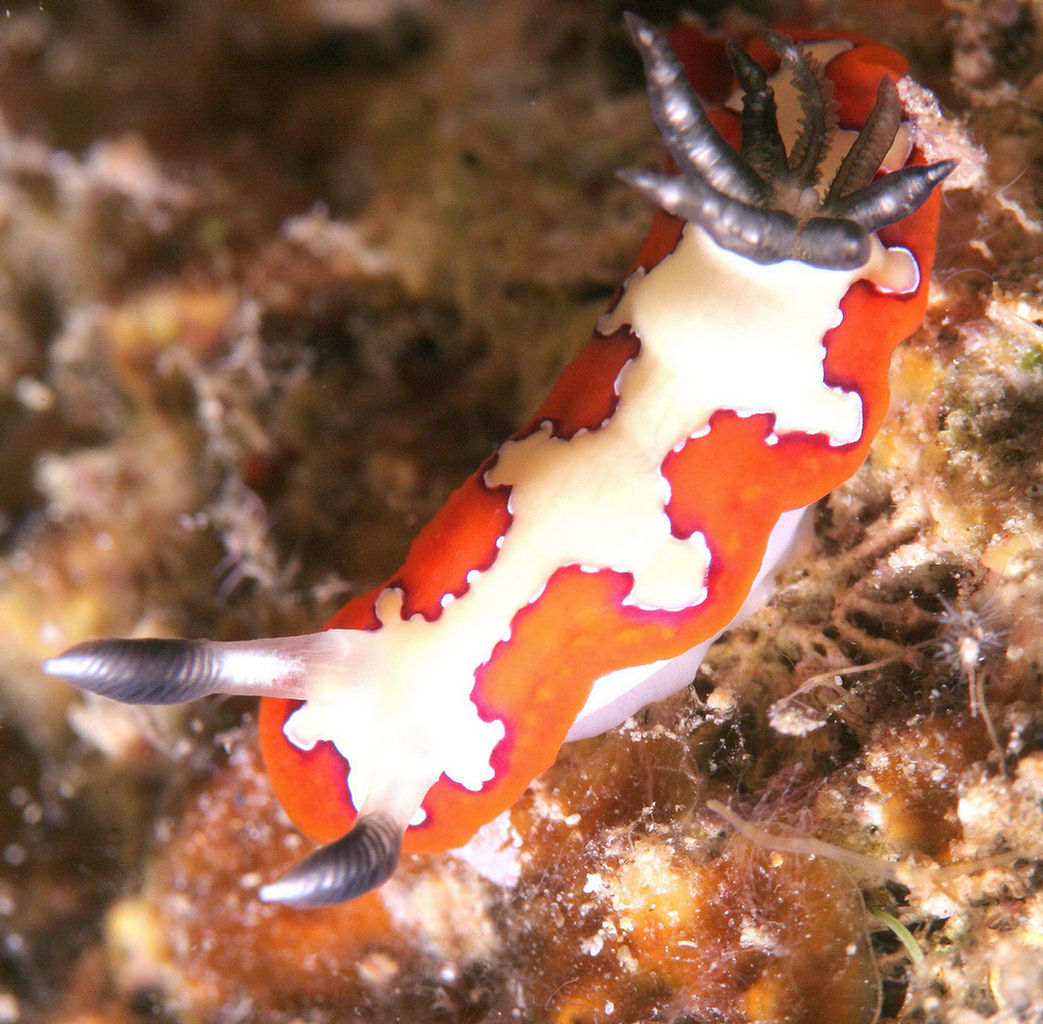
x,y
583,570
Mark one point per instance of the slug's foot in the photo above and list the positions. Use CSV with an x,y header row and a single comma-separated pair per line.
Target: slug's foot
x,y
344,869
762,202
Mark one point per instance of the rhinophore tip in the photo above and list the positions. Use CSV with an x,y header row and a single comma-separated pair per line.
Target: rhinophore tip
x,y
344,869
149,671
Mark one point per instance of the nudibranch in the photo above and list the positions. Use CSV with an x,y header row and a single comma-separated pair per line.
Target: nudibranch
x,y
739,375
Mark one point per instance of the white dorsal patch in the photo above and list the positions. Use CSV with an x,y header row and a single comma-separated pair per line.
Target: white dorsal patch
x,y
716,331
735,334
